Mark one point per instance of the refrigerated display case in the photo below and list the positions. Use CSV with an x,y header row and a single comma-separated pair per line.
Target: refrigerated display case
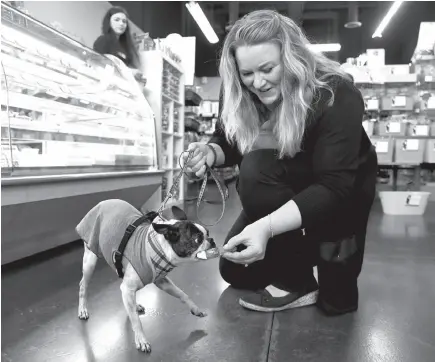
x,y
66,108
76,129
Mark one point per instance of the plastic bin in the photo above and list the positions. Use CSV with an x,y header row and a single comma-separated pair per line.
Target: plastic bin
x,y
409,151
392,128
384,149
404,202
429,187
429,154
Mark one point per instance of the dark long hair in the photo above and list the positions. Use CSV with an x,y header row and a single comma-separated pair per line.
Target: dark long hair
x,y
125,39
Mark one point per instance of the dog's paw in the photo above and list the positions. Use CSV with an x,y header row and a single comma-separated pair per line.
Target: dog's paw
x,y
198,312
140,309
142,344
83,313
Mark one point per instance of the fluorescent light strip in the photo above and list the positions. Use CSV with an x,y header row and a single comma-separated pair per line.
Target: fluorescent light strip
x,y
386,19
202,21
323,48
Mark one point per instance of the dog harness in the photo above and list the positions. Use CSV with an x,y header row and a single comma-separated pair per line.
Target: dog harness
x,y
117,254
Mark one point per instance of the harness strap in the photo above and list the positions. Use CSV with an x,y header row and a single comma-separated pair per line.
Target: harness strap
x,y
117,254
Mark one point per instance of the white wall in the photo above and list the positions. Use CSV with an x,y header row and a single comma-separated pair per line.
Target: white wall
x,y
81,20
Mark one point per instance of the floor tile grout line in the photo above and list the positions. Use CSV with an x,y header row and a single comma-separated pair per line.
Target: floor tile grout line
x,y
270,337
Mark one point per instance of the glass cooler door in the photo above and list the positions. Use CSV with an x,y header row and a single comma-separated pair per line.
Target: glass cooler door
x,y
66,109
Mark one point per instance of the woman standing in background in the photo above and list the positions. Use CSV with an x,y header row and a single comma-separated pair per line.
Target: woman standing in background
x,y
117,40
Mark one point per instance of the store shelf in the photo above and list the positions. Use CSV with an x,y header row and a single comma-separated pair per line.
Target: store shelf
x,y
170,99
163,73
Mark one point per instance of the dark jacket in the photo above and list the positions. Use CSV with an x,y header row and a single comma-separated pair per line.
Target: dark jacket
x,y
108,44
335,169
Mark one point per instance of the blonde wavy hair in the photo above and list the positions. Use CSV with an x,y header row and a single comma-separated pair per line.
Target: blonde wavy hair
x,y
305,72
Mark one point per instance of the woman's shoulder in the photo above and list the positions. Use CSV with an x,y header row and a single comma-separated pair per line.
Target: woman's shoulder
x,y
103,38
343,92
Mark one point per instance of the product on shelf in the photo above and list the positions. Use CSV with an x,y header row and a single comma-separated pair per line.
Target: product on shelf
x,y
165,118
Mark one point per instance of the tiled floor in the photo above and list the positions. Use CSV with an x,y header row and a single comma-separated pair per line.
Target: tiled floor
x,y
395,321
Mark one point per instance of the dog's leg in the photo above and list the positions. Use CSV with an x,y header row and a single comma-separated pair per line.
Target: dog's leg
x,y
169,287
129,286
89,262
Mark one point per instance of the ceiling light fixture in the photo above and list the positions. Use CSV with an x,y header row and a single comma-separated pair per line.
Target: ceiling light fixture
x,y
353,21
202,21
387,19
323,48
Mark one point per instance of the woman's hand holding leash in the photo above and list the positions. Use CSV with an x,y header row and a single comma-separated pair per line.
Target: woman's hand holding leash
x,y
202,155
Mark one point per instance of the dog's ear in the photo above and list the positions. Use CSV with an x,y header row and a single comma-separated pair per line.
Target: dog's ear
x,y
178,213
171,233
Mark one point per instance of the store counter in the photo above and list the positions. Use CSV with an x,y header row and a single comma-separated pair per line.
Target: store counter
x,y
76,129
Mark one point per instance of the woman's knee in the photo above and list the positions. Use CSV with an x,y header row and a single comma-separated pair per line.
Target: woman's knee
x,y
256,276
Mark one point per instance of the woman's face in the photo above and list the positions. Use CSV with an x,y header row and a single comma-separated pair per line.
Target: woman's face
x,y
118,23
260,70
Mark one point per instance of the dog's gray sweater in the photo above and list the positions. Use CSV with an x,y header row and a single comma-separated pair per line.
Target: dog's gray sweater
x,y
104,226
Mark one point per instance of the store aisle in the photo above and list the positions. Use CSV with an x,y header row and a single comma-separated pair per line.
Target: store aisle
x,y
395,321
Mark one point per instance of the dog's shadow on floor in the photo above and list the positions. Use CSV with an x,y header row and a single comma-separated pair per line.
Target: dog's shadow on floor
x,y
90,356
193,337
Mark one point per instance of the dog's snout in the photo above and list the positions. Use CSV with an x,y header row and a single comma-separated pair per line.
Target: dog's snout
x,y
212,243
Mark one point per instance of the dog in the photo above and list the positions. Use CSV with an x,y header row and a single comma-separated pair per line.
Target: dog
x,y
153,250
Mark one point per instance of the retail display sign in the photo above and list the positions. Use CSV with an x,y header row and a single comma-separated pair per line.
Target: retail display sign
x,y
372,104
413,200
421,130
411,145
393,127
381,146
399,101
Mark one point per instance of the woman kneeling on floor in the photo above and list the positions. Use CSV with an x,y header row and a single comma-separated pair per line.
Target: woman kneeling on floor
x,y
292,120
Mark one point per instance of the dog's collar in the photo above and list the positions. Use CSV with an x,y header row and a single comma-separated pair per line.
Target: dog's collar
x,y
158,260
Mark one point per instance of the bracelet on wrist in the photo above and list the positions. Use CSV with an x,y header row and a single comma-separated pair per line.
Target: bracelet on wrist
x,y
214,155
270,226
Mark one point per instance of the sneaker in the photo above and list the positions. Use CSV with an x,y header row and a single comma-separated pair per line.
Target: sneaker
x,y
272,299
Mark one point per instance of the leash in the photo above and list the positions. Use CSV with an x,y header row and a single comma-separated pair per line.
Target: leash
x,y
223,190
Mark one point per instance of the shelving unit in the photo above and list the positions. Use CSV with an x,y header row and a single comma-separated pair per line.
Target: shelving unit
x,y
165,93
400,121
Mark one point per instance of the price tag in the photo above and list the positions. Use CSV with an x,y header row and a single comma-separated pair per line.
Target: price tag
x,y
431,103
381,147
428,78
393,127
413,200
372,104
421,130
399,101
411,145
